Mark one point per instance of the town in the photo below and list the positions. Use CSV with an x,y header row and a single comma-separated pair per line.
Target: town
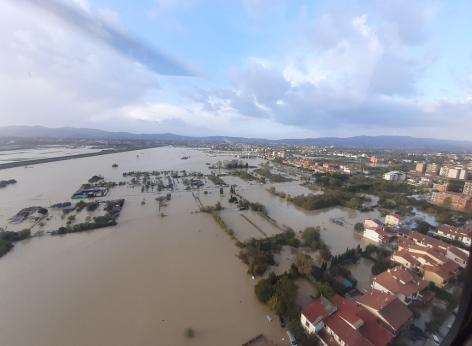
x,y
420,272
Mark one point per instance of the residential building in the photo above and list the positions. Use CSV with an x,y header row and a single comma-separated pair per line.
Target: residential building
x,y
421,167
440,187
453,173
467,188
454,200
440,275
464,235
388,308
373,223
403,283
392,220
443,171
313,316
432,168
343,322
459,256
377,234
405,259
428,256
395,176
424,240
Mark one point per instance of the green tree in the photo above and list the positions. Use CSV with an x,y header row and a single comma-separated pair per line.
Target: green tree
x,y
304,264
359,227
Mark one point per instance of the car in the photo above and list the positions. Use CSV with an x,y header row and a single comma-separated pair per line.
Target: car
x,y
436,339
291,338
417,332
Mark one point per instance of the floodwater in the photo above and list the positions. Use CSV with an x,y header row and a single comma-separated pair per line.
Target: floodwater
x,y
142,282
148,279
337,237
362,272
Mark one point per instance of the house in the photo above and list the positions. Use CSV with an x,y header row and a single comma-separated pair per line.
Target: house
x,y
432,262
440,275
405,259
377,234
392,220
424,240
345,324
464,235
459,256
388,308
373,223
313,316
403,283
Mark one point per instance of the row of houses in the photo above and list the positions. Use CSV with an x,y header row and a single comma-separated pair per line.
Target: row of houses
x,y
437,261
373,319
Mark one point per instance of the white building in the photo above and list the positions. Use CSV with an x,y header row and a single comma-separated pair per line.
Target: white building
x,y
377,234
464,235
395,176
392,220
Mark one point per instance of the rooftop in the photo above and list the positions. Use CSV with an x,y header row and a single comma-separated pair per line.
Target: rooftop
x,y
318,310
401,280
388,306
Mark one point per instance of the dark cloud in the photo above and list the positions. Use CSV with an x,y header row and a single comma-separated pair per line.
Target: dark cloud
x,y
123,43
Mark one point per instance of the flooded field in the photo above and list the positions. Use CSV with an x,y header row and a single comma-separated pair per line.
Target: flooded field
x,y
142,282
148,279
337,237
45,152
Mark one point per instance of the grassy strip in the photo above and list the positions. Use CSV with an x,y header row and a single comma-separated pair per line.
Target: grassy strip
x,y
244,175
219,220
275,178
216,180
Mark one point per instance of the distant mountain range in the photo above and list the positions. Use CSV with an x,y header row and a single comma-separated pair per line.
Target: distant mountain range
x,y
373,142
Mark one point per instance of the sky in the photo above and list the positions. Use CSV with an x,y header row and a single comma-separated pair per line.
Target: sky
x,y
252,68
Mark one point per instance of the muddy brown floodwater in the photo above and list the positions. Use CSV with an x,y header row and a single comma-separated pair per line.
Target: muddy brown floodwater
x,y
142,282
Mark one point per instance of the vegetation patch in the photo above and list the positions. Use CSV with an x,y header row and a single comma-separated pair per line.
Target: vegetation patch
x,y
8,238
112,209
275,178
5,183
258,254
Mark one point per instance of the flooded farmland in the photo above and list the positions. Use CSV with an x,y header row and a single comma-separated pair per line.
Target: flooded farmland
x,y
148,279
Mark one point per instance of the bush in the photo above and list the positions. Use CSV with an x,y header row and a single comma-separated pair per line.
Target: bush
x,y
359,227
278,292
189,333
380,266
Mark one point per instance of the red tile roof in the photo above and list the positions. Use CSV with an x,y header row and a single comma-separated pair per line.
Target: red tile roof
x,y
459,253
388,306
351,336
373,330
401,281
368,326
318,310
453,231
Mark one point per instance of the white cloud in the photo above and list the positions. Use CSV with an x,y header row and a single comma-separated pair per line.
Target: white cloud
x,y
52,75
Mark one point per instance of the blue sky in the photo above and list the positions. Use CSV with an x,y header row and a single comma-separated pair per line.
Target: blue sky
x,y
263,68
